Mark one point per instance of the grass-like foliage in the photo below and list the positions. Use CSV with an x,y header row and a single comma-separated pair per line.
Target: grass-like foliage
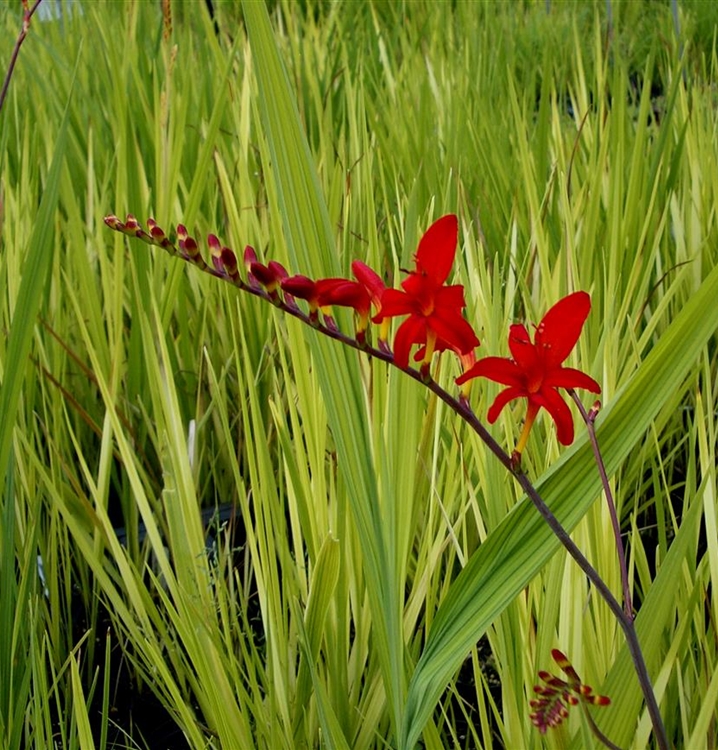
x,y
221,529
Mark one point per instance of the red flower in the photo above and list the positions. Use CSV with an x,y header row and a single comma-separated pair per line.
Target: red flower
x,y
435,320
556,695
535,370
223,258
316,294
323,293
269,276
361,294
371,281
304,288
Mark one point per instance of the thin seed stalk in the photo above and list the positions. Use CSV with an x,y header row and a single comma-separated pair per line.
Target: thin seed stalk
x,y
589,418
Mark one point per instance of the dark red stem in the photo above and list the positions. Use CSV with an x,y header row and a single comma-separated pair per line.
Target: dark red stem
x,y
596,731
26,16
463,409
589,419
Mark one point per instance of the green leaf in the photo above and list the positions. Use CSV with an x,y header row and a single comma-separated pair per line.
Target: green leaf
x,y
522,544
16,585
324,582
32,288
621,684
310,245
79,704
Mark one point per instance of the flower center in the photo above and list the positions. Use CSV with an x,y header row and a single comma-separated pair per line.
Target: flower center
x,y
535,380
427,305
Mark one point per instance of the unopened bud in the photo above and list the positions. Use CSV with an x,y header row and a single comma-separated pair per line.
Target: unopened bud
x,y
249,256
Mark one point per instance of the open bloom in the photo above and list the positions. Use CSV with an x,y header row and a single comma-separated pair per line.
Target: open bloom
x,y
535,370
435,320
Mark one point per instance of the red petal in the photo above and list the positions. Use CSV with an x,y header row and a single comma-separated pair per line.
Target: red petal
x,y
301,287
262,273
498,369
420,286
323,287
279,271
435,254
451,296
524,352
508,394
454,330
554,404
370,279
468,356
411,331
560,328
229,261
249,256
568,377
395,302
345,293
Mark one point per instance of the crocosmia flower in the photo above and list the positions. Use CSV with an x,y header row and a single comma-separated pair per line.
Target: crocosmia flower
x,y
556,695
535,370
360,295
434,310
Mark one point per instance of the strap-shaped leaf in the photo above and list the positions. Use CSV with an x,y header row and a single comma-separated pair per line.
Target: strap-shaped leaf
x,y
519,547
299,202
34,279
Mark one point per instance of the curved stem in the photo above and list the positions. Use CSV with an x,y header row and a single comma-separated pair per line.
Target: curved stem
x,y
595,729
463,409
26,16
624,620
589,418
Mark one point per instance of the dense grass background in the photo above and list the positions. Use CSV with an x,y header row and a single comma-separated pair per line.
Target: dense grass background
x,y
137,394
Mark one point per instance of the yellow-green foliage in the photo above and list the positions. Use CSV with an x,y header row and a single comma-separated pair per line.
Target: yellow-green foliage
x,y
379,539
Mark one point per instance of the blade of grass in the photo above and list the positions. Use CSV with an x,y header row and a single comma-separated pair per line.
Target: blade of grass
x,y
14,685
310,244
34,280
79,707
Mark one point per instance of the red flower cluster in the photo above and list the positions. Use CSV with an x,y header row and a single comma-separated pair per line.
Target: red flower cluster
x,y
432,312
322,294
558,695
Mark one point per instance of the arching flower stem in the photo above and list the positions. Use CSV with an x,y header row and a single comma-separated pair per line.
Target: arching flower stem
x,y
461,407
590,418
226,270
